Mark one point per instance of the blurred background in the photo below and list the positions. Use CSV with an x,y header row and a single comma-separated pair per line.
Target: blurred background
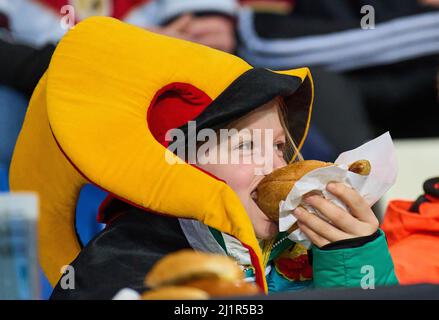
x,y
375,66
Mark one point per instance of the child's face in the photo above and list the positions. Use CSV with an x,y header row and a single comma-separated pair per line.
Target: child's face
x,y
243,177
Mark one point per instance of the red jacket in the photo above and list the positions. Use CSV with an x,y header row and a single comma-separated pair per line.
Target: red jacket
x,y
118,8
413,240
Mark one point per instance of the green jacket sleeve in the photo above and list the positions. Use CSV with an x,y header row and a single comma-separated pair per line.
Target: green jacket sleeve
x,y
367,266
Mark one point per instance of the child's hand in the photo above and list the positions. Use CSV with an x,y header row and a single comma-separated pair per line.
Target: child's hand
x,y
361,221
176,28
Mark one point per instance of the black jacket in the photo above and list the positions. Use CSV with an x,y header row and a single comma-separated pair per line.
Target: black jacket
x,y
122,254
22,66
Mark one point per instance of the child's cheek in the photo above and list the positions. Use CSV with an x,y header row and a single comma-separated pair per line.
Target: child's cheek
x,y
240,177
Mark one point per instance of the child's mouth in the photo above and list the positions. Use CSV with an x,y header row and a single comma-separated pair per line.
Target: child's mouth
x,y
254,197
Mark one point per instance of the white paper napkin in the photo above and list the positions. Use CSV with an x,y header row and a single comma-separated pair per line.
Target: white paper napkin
x,y
380,152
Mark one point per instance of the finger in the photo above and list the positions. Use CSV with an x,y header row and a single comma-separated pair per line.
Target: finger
x,y
222,42
318,240
170,33
320,226
338,216
202,26
180,23
356,203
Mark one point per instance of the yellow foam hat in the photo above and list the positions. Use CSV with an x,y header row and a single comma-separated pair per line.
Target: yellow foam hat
x,y
88,122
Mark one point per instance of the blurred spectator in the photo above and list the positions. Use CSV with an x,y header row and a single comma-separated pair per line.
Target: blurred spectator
x,y
38,22
412,231
393,65
338,112
22,66
431,3
12,110
216,31
329,34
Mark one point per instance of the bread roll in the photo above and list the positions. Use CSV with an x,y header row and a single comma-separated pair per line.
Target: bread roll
x,y
175,293
219,288
277,185
189,274
185,265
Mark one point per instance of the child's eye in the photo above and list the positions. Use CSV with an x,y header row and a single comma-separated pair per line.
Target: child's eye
x,y
280,146
246,146
280,149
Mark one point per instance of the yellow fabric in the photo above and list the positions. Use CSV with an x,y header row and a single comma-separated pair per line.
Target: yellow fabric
x,y
100,83
38,165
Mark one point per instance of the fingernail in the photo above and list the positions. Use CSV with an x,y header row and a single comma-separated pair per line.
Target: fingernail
x,y
331,186
296,212
308,199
